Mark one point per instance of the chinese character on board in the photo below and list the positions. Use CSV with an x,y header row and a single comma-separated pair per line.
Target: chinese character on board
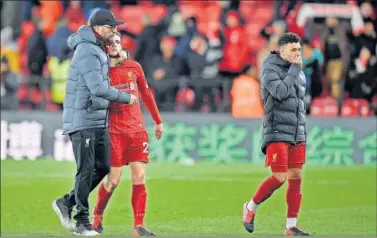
x,y
4,139
25,140
222,143
369,147
62,147
176,143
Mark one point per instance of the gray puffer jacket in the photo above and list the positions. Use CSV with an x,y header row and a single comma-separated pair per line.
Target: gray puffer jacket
x,y
283,92
88,90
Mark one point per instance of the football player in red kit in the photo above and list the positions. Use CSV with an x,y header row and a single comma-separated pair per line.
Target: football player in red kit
x,y
128,137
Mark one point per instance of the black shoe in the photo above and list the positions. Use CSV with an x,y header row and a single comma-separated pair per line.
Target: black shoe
x,y
85,230
295,231
141,231
64,213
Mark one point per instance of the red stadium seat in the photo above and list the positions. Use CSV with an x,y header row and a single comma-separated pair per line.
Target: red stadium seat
x,y
192,10
155,12
256,41
133,15
355,108
133,25
75,18
203,27
317,42
247,8
129,44
374,104
349,110
213,12
352,2
22,92
263,12
51,107
201,3
374,101
209,26
365,110
324,107
116,9
131,12
37,96
48,95
254,28
185,96
23,63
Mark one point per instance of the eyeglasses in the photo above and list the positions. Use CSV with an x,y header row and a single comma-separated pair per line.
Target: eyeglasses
x,y
111,27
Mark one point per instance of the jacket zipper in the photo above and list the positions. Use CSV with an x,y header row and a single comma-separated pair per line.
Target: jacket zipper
x,y
297,112
108,80
107,116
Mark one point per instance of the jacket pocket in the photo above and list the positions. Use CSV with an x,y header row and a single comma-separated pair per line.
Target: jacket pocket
x,y
96,103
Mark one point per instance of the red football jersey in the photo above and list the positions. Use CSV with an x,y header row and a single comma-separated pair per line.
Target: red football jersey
x,y
123,118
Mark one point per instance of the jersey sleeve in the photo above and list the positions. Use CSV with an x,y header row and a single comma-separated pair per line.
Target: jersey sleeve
x,y
147,96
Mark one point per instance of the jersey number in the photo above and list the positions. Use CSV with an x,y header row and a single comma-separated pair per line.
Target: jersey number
x,y
146,147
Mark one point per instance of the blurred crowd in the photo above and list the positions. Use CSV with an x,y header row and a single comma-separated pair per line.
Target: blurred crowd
x,y
199,55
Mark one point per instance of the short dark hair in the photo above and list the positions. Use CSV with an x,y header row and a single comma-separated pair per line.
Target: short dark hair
x,y
287,38
305,41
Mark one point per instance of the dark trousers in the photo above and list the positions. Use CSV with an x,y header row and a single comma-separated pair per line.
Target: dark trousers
x,y
91,148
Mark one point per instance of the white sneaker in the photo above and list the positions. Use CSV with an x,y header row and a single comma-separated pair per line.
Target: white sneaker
x,y
85,230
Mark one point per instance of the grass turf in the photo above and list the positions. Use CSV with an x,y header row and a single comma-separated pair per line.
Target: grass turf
x,y
198,200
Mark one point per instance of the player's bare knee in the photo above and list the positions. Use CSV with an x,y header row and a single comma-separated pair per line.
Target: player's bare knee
x,y
294,173
282,177
114,177
114,182
295,176
138,177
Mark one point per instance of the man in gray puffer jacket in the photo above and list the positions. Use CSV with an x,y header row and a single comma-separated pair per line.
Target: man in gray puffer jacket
x,y
85,116
284,130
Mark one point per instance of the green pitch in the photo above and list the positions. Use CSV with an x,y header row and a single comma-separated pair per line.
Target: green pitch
x,y
202,199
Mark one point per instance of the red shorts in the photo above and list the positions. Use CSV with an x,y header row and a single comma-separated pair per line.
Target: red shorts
x,y
282,156
126,148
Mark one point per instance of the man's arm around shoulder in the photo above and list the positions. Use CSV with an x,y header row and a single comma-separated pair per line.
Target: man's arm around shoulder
x,y
91,69
278,87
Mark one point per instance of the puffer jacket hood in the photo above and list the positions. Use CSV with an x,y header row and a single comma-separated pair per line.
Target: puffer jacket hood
x,y
275,58
83,34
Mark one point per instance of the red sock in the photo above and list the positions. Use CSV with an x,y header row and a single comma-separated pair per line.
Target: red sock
x,y
293,197
266,188
139,200
103,198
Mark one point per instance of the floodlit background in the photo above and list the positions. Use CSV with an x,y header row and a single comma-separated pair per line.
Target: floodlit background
x,y
202,60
